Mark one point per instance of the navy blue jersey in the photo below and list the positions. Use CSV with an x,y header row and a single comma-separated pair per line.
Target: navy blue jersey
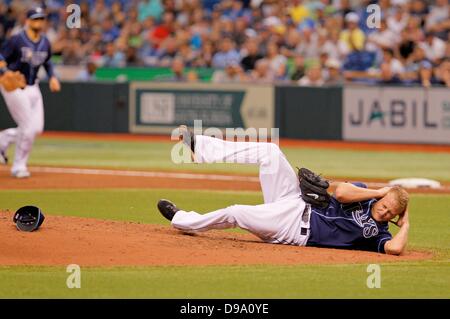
x,y
22,54
349,226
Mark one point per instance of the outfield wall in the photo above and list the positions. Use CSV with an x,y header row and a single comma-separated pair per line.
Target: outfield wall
x,y
82,107
358,113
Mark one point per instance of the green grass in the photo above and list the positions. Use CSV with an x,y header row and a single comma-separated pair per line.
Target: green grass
x,y
414,280
338,163
427,279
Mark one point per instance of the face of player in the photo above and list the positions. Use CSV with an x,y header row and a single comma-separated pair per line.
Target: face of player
x,y
37,25
386,208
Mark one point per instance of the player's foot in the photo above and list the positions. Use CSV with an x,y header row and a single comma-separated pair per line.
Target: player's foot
x,y
21,174
187,137
167,208
3,158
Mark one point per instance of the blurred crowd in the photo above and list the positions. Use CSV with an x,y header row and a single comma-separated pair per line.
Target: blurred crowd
x,y
311,43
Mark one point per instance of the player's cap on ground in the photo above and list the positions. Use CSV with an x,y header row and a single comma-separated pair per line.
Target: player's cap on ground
x,y
36,13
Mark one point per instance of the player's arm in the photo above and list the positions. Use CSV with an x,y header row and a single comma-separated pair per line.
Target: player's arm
x,y
53,81
397,245
349,193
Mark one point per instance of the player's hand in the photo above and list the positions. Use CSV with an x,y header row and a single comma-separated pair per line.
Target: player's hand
x,y
54,84
403,219
383,191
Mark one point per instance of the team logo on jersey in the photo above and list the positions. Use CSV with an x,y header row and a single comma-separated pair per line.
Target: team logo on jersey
x,y
368,225
34,58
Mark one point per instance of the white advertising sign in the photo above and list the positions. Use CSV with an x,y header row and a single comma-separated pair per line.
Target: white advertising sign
x,y
410,115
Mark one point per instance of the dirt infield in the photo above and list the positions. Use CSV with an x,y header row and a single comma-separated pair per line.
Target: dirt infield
x,y
93,242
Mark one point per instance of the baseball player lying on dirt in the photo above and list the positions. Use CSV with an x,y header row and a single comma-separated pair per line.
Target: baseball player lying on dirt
x,y
297,210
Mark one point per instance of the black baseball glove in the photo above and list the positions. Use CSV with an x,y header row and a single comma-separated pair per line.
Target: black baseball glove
x,y
314,188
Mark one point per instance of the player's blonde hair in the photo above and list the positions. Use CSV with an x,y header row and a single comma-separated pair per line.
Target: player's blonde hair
x,y
402,197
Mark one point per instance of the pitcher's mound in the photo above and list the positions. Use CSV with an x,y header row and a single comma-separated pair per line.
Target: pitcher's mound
x,y
94,242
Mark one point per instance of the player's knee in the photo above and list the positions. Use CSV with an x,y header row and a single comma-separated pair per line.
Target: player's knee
x,y
31,132
233,213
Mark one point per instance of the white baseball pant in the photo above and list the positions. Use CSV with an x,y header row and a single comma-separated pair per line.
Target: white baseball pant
x,y
279,219
27,110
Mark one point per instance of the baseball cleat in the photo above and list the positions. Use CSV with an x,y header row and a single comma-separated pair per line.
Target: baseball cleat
x,y
21,174
3,158
187,137
167,208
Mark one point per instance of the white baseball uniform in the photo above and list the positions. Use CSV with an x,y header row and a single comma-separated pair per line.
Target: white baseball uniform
x,y
279,219
27,110
25,106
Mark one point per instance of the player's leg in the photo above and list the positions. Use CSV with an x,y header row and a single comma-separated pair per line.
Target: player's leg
x,y
278,222
32,127
7,137
24,110
37,105
278,179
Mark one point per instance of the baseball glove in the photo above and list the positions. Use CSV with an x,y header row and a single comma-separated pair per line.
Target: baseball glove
x,y
12,80
314,188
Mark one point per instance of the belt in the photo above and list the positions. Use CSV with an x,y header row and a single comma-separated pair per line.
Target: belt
x,y
305,219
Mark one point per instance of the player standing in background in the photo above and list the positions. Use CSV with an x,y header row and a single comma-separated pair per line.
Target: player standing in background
x,y
26,52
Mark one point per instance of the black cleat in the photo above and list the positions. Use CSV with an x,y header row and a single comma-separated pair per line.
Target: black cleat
x,y
167,208
187,137
3,158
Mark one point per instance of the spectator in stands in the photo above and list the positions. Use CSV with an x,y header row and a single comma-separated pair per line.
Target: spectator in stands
x,y
118,14
434,47
352,38
443,73
391,66
398,20
332,74
110,31
298,11
150,8
405,47
192,76
438,20
313,76
277,62
162,31
7,21
113,57
252,55
416,68
384,38
419,9
227,53
309,45
299,68
88,74
177,71
262,72
233,73
290,43
205,56
99,12
167,52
